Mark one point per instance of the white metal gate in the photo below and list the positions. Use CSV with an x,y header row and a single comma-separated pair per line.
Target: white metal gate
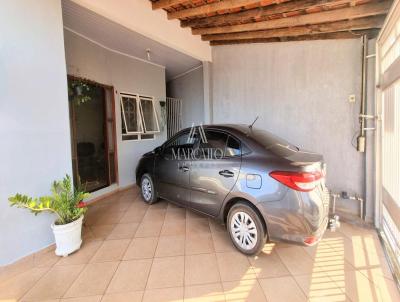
x,y
388,133
174,116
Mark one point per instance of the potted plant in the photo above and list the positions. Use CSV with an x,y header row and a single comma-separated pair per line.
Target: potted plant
x,y
67,203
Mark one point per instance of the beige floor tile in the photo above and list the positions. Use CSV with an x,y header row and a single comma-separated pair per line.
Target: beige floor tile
x,y
216,226
124,231
154,215
101,232
296,260
356,286
319,287
244,291
174,294
96,298
175,214
111,250
170,246
212,292
141,248
149,229
83,255
133,215
46,258
198,226
93,280
161,204
166,272
282,289
130,276
201,268
199,244
124,297
222,242
268,265
16,286
104,217
174,227
194,215
234,266
55,283
18,267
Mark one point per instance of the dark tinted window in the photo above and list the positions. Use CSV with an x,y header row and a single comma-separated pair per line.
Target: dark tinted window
x,y
273,143
182,142
214,147
232,147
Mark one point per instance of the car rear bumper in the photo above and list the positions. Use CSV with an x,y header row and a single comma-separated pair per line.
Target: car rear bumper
x,y
300,218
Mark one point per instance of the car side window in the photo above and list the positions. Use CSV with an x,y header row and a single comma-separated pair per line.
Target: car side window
x,y
214,145
181,144
232,147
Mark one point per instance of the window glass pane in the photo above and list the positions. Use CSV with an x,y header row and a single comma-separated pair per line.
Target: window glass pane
x,y
149,117
215,145
181,142
130,114
232,147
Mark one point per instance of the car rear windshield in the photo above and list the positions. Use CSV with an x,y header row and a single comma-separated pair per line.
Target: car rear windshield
x,y
273,143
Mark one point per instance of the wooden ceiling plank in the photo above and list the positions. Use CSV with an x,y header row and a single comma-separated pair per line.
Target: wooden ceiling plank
x,y
326,36
344,25
259,12
166,3
212,8
359,11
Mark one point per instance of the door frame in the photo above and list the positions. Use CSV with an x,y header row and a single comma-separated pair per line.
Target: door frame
x,y
74,151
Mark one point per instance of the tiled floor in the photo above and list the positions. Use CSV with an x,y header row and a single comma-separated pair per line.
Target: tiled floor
x,y
135,252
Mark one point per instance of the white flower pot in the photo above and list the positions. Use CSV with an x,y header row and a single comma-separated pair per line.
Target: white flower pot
x,y
68,237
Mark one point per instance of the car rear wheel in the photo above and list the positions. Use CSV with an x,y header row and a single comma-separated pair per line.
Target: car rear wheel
x,y
246,229
148,191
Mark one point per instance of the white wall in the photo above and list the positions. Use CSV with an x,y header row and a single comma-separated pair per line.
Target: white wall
x,y
300,91
137,15
34,122
88,60
190,88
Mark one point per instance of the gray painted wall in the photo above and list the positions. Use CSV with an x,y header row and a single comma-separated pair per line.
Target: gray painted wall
x,y
88,60
300,91
34,121
189,87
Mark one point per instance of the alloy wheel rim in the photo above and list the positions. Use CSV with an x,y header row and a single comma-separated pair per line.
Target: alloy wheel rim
x,y
244,230
146,189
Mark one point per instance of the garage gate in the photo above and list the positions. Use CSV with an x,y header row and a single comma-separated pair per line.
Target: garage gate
x,y
388,134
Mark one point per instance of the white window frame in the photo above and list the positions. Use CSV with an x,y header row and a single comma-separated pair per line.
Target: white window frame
x,y
141,120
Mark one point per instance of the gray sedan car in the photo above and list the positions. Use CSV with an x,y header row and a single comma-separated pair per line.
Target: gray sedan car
x,y
259,185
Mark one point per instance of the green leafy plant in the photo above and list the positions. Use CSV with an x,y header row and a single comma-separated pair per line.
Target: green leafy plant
x,y
65,201
79,91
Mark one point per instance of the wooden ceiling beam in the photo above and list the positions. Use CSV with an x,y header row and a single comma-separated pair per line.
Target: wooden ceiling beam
x,y
214,7
371,33
359,11
260,12
166,3
338,26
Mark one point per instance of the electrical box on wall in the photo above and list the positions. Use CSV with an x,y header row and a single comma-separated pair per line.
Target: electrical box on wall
x,y
361,144
352,98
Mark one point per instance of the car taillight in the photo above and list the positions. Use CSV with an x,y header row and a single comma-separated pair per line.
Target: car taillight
x,y
299,181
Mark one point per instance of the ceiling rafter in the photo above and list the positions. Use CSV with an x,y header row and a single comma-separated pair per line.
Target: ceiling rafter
x,y
260,12
214,7
359,11
166,3
344,25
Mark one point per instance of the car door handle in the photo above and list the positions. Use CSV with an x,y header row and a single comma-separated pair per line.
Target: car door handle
x,y
226,173
184,168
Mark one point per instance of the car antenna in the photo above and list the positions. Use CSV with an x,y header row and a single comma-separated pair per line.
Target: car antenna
x,y
251,126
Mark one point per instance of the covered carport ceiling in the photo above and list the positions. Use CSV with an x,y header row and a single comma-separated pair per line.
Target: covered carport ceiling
x,y
249,21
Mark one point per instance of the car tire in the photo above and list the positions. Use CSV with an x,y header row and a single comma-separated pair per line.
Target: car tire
x,y
147,189
246,229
